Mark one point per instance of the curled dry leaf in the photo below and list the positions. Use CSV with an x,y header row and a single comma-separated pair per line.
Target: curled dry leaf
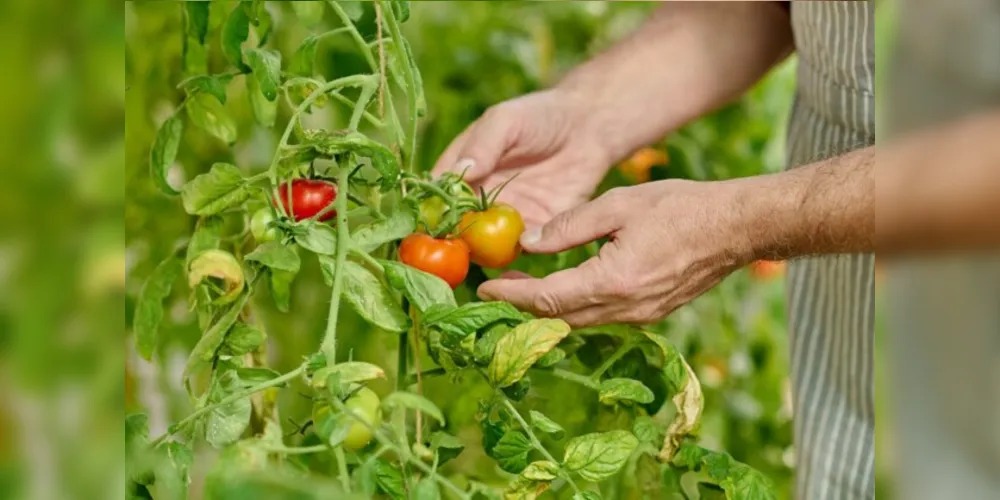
x,y
221,265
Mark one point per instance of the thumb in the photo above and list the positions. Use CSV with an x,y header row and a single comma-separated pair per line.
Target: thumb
x,y
583,224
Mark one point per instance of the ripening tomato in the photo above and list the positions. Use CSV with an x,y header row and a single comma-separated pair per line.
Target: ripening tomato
x,y
364,404
766,269
261,227
447,259
636,168
492,235
309,197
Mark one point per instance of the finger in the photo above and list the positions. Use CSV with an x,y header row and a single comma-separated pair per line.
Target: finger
x,y
555,295
486,144
574,227
515,275
448,160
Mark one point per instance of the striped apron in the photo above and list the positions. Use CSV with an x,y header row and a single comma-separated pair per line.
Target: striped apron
x,y
831,298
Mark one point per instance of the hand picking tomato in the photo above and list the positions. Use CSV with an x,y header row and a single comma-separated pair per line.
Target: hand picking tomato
x,y
447,259
492,235
260,226
364,404
309,197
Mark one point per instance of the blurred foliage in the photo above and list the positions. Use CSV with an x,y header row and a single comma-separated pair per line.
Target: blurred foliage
x,y
472,55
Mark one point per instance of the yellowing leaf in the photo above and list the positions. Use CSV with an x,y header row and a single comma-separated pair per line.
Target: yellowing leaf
x,y
218,264
525,344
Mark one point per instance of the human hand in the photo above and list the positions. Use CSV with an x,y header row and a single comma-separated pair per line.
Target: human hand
x,y
670,241
545,140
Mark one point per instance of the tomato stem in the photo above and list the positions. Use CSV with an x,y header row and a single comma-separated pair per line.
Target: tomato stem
x,y
411,82
622,350
534,439
329,345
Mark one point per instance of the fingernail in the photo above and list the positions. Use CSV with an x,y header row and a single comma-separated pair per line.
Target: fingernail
x,y
531,236
465,165
484,295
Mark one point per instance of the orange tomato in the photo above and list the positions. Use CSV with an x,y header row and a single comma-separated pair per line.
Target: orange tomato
x,y
636,168
492,235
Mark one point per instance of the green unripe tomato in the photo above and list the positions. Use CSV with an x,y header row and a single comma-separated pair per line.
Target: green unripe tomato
x,y
260,226
364,404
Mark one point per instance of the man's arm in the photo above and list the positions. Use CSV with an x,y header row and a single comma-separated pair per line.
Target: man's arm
x,y
688,59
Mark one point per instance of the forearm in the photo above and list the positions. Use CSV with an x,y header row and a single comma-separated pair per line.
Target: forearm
x,y
688,59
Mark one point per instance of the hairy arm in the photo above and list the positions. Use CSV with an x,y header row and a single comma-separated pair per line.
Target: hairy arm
x,y
688,59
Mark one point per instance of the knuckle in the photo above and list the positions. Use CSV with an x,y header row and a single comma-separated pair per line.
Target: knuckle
x,y
546,305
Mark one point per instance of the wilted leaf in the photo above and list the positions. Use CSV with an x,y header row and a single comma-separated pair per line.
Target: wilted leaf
x,y
210,115
544,424
221,265
164,152
149,305
413,402
207,236
275,256
397,226
688,401
226,423
422,289
368,295
525,344
511,451
210,193
599,455
614,390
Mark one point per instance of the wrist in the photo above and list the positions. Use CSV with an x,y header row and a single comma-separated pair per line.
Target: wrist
x,y
767,223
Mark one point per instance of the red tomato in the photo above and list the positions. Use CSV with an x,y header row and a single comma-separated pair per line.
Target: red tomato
x,y
309,197
447,259
492,235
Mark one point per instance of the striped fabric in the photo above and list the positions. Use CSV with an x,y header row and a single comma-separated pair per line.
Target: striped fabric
x,y
831,298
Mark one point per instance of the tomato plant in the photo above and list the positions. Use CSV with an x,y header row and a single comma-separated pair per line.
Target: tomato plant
x,y
346,423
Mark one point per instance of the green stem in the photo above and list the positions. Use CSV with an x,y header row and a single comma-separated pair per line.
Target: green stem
x,y
229,399
297,450
401,361
345,478
434,372
411,81
622,350
434,188
329,345
534,440
570,376
359,107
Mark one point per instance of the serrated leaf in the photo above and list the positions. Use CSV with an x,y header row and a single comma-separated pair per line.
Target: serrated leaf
x,y
241,339
303,60
226,423
446,446
235,31
413,402
149,305
214,85
426,489
459,322
398,225
542,470
317,237
350,372
266,68
485,346
310,13
551,358
422,289
210,193
265,111
511,451
331,143
600,455
688,399
613,390
275,256
164,152
389,479
210,115
525,344
647,430
368,295
544,424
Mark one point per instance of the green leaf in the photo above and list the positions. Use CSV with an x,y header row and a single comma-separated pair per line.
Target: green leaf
x,y
195,31
266,68
261,19
210,115
317,237
281,289
304,59
214,85
368,295
149,305
310,13
487,344
551,358
398,225
446,446
600,455
364,480
688,399
354,9
413,402
136,444
351,372
401,9
525,344
207,236
234,32
265,112
737,479
587,495
331,143
426,489
647,430
334,428
492,432
544,424
174,462
614,390
206,348
256,375
164,152
226,423
511,452
197,19
469,318
389,479
241,339
275,256
542,470
518,390
422,289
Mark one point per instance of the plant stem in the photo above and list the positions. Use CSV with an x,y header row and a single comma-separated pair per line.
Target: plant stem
x,y
345,478
570,376
401,361
434,188
411,82
229,399
622,350
433,372
329,345
367,92
534,440
297,450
